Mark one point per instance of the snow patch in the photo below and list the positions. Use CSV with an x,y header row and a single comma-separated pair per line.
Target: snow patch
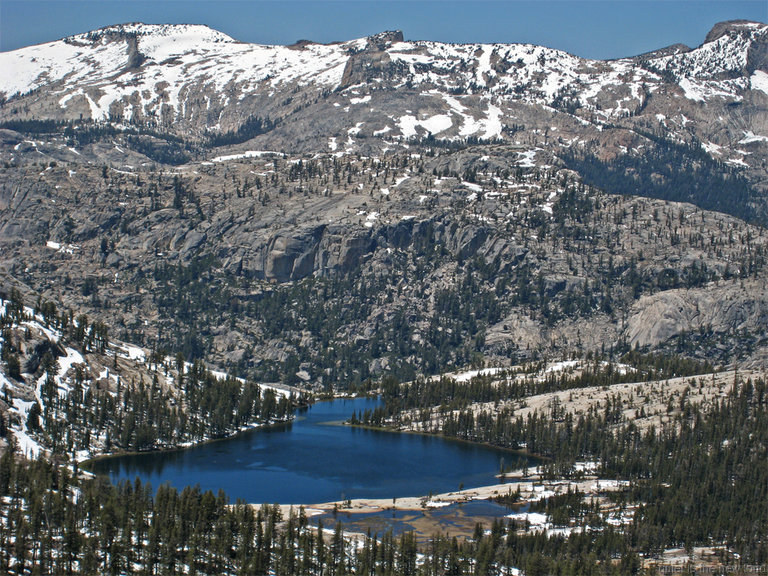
x,y
737,162
610,484
759,81
247,154
526,159
370,219
131,352
467,376
492,125
750,137
561,366
534,519
434,124
586,467
27,445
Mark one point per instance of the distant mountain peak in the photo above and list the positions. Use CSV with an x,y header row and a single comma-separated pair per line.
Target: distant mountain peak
x,y
140,30
672,50
722,28
380,91
384,40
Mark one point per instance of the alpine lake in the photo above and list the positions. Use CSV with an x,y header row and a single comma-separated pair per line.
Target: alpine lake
x,y
316,459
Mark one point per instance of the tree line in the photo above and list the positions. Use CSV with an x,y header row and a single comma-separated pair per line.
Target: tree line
x,y
180,402
719,495
57,521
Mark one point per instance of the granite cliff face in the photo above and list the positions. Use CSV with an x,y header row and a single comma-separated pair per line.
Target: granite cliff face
x,y
380,204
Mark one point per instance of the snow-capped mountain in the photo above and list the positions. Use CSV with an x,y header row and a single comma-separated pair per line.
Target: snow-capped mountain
x,y
378,91
144,161
141,72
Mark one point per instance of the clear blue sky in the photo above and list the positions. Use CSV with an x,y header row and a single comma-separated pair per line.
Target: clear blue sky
x,y
589,28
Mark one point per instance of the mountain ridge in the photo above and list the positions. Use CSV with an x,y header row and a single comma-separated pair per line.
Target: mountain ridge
x,y
139,28
161,44
458,200
377,93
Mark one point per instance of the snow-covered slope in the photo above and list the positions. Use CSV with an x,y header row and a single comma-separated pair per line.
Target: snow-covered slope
x,y
381,91
136,69
52,373
722,67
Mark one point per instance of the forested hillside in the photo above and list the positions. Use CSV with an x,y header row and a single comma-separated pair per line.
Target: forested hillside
x,y
508,245
72,393
62,523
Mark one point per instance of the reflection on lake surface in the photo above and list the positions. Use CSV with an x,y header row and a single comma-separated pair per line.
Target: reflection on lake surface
x,y
313,460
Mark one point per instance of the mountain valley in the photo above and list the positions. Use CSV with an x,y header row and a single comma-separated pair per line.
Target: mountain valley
x,y
508,244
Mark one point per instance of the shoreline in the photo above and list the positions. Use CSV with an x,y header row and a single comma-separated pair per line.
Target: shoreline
x,y
524,453
359,505
532,488
530,484
84,464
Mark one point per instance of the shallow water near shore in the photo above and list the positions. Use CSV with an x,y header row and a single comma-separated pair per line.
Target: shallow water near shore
x,y
454,520
314,460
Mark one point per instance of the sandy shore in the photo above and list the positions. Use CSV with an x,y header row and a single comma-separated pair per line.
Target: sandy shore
x,y
530,489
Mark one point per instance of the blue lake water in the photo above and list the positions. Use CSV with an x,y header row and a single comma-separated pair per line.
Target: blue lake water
x,y
315,459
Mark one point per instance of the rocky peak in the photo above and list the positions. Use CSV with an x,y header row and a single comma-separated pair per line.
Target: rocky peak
x,y
155,32
373,61
731,27
384,40
672,50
